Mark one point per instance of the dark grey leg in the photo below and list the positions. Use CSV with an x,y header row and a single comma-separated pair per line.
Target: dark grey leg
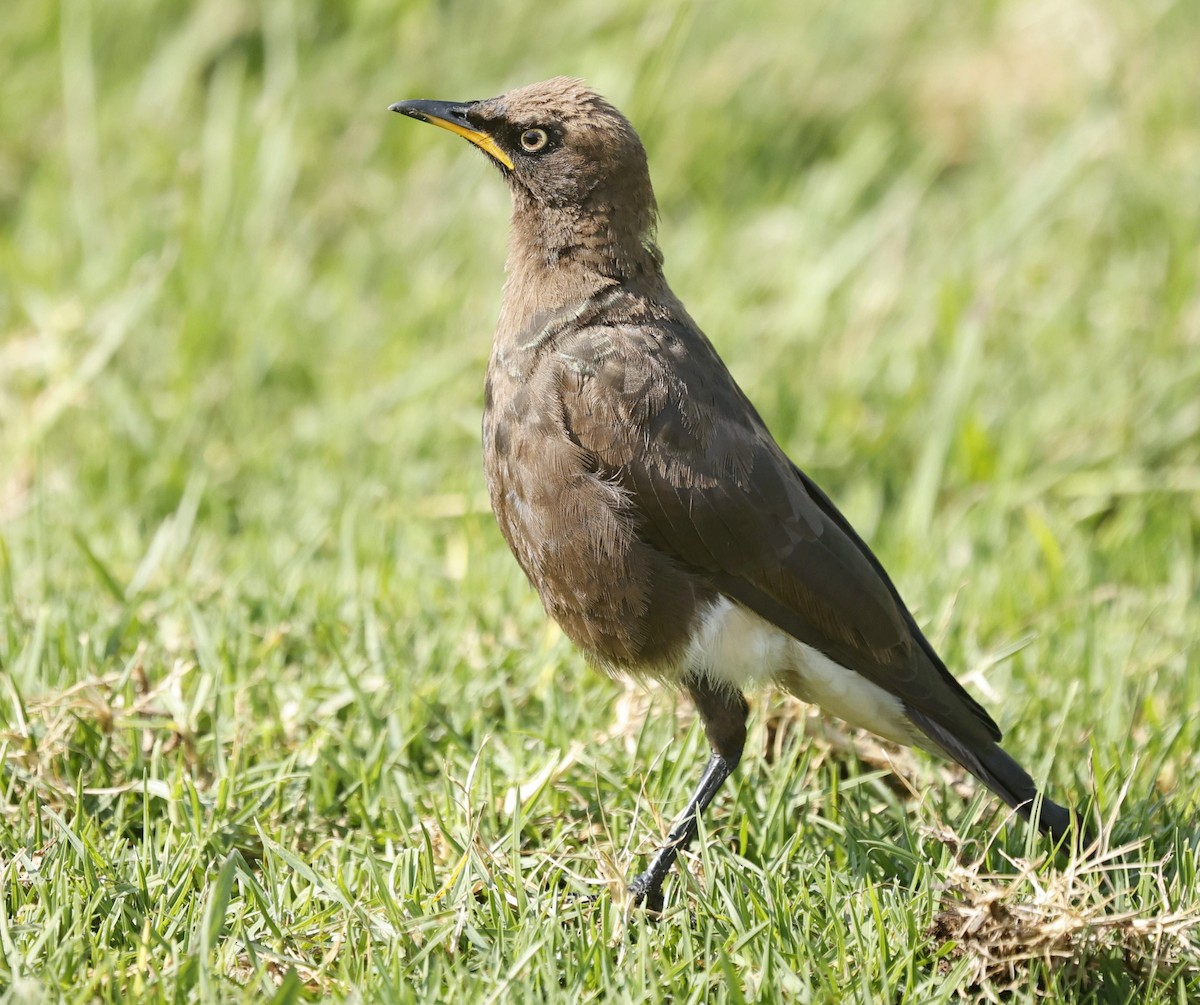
x,y
724,714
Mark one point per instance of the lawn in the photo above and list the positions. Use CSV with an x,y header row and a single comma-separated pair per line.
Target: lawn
x,y
280,719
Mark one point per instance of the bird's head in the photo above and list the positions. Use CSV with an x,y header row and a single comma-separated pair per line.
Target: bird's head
x,y
575,166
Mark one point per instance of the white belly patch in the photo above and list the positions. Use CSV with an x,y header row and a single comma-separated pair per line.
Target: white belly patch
x,y
734,646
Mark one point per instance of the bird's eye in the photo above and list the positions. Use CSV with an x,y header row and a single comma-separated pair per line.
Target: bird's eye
x,y
533,140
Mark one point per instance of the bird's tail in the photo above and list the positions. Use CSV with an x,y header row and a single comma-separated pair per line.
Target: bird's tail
x,y
1007,779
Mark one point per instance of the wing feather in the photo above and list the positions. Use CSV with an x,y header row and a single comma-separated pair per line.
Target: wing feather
x,y
712,489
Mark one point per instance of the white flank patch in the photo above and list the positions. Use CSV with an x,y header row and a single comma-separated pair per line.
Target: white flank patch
x,y
734,646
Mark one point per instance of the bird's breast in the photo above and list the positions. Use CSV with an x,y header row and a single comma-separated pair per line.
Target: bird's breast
x,y
576,535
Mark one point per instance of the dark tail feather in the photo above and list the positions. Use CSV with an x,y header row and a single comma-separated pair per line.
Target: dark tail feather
x,y
1007,779
1010,782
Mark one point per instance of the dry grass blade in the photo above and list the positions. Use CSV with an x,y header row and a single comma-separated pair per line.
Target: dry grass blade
x,y
1063,919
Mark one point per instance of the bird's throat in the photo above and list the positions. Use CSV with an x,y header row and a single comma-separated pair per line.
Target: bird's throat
x,y
597,241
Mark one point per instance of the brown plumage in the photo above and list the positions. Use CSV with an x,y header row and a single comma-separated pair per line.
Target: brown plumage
x,y
662,525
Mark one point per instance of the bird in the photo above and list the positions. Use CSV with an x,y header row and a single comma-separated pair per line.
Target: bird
x,y
663,527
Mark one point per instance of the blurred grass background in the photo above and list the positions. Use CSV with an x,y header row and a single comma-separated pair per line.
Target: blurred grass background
x,y
267,671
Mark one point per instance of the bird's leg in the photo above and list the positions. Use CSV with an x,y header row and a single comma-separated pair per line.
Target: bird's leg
x,y
647,887
724,713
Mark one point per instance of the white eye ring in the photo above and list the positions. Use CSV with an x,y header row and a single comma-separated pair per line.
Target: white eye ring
x,y
533,140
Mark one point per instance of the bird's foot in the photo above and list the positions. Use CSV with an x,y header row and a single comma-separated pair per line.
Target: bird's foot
x,y
646,890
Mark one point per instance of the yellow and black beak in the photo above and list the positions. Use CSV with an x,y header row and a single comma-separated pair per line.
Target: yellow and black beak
x,y
452,115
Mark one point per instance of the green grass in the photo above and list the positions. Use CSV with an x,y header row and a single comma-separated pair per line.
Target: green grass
x,y
268,675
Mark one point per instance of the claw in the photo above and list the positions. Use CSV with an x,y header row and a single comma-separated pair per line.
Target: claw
x,y
645,892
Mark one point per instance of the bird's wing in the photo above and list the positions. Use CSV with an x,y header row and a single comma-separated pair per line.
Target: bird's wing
x,y
659,413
